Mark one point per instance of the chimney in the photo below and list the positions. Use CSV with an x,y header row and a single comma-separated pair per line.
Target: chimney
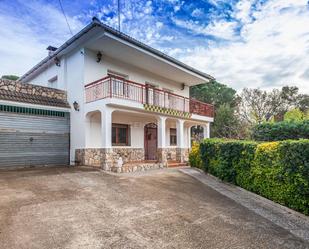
x,y
51,50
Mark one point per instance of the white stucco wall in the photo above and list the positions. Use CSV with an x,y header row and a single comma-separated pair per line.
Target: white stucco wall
x,y
50,71
95,71
137,124
79,68
75,88
93,130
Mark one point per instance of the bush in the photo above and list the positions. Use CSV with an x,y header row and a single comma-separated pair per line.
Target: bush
x,y
294,115
281,131
276,170
194,156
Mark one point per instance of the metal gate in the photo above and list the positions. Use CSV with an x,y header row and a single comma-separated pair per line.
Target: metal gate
x,y
32,137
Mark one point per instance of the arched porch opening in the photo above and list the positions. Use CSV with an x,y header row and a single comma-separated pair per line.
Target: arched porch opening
x,y
93,130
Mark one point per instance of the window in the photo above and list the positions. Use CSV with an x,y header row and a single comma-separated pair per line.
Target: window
x,y
173,137
120,88
152,95
30,111
117,74
169,98
120,135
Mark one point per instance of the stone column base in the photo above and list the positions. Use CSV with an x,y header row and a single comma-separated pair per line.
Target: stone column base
x,y
100,158
162,156
173,154
182,154
107,158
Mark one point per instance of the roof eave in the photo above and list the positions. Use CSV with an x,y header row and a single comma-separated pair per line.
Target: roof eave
x,y
96,23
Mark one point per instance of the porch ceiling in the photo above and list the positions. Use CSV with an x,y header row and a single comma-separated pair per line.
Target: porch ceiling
x,y
128,53
134,115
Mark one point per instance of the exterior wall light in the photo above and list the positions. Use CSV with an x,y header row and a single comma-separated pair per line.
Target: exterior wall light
x,y
99,56
76,106
57,61
183,86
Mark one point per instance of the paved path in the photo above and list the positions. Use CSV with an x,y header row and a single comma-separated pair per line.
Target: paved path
x,y
284,217
85,208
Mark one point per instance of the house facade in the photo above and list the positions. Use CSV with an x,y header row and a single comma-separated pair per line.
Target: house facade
x,y
130,104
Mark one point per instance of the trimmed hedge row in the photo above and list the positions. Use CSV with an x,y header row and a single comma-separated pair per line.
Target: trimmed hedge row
x,y
195,159
276,170
281,131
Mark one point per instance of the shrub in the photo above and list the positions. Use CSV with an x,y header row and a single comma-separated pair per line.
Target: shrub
x,y
194,156
294,115
281,131
276,170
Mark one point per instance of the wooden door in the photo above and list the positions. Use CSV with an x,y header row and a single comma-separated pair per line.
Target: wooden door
x,y
151,142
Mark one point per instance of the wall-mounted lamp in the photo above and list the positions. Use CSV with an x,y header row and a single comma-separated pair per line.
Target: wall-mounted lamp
x,y
76,106
183,86
99,56
57,61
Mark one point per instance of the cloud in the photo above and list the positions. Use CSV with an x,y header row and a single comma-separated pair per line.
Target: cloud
x,y
197,12
242,11
25,37
244,43
272,50
219,29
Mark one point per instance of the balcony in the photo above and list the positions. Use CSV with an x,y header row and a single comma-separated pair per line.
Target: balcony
x,y
114,87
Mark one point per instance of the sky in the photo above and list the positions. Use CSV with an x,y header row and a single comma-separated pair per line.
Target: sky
x,y
256,44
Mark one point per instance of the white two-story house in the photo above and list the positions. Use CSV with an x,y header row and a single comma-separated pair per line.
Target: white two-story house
x,y
130,104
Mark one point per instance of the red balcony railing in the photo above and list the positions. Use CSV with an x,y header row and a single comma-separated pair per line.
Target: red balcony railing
x,y
114,87
201,108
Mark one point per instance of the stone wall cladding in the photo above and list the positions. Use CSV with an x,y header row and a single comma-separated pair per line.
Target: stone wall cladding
x,y
133,158
182,154
101,158
138,167
171,153
108,158
128,154
16,86
29,93
162,156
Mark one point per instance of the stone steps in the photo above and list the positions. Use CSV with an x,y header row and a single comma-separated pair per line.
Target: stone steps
x,y
137,166
172,164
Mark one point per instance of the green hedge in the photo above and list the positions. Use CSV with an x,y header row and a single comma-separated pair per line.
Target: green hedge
x,y
194,156
276,170
281,131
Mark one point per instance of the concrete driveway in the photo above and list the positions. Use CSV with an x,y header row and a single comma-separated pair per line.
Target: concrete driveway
x,y
86,208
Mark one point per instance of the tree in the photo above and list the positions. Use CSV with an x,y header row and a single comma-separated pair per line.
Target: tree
x,y
226,123
214,93
225,102
303,103
257,106
294,115
10,77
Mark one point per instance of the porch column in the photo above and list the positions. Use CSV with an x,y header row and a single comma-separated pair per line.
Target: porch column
x,y
161,132
161,153
180,133
106,138
106,127
180,154
206,130
189,137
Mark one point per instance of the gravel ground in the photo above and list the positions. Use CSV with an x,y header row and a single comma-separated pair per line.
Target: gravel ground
x,y
86,208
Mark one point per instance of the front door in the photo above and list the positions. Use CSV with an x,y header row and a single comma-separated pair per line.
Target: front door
x,y
151,141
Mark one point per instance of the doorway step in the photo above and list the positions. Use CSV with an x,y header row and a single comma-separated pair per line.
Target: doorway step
x,y
172,164
138,166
